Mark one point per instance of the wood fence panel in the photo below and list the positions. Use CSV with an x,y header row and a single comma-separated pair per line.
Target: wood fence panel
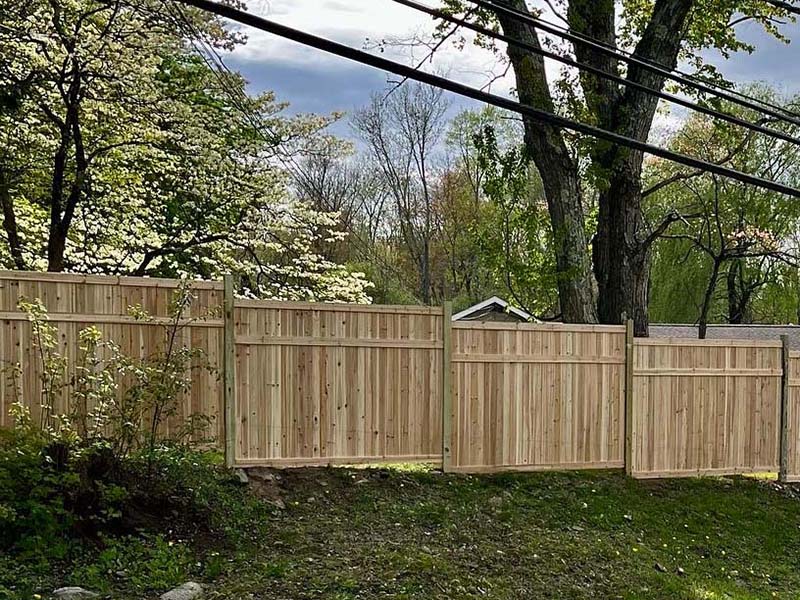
x,y
793,418
75,302
705,407
535,397
325,384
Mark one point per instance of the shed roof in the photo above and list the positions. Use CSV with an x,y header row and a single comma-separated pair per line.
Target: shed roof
x,y
475,311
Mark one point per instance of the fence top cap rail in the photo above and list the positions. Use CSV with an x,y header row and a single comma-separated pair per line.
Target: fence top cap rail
x,y
542,327
339,307
105,280
678,341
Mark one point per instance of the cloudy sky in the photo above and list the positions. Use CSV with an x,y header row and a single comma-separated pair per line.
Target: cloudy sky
x,y
313,81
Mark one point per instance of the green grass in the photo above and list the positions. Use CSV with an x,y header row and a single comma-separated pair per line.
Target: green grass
x,y
354,533
362,534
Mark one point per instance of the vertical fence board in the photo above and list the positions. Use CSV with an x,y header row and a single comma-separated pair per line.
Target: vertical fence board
x,y
791,470
706,407
533,397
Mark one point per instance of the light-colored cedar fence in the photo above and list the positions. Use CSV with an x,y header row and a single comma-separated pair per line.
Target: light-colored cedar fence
x,y
323,384
536,397
75,302
705,407
790,451
314,384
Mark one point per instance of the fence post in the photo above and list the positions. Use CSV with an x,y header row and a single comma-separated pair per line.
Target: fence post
x,y
628,396
784,451
229,371
447,397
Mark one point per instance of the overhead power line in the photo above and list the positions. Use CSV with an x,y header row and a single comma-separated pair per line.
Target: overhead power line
x,y
761,102
542,116
653,67
785,6
439,14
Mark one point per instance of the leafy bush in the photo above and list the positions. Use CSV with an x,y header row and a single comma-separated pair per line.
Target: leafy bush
x,y
95,493
143,526
110,400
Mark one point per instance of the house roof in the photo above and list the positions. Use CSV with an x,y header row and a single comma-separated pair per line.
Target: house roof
x,y
493,303
732,332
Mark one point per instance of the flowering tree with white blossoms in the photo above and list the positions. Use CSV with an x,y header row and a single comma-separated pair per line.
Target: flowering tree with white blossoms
x,y
123,151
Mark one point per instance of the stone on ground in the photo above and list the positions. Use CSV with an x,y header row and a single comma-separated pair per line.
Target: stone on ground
x,y
188,591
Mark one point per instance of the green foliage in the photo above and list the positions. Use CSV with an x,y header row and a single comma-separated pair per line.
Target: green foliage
x,y
111,401
153,163
749,232
514,233
143,526
151,563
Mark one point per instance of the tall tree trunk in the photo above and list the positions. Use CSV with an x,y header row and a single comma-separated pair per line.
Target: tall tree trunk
x,y
10,222
621,250
621,261
559,172
735,309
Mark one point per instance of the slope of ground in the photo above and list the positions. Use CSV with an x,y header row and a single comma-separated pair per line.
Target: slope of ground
x,y
354,533
388,534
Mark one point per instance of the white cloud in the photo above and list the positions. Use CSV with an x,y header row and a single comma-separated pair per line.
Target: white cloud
x,y
360,23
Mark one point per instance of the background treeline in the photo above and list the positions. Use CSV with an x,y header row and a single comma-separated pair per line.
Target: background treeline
x,y
127,148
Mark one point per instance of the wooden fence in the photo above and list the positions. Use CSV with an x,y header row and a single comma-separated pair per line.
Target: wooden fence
x,y
319,383
705,407
308,384
75,302
537,396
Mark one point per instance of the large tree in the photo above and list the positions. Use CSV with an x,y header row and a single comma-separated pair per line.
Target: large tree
x,y
123,151
659,31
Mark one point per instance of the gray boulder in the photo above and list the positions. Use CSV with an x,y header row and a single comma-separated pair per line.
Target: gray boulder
x,y
188,591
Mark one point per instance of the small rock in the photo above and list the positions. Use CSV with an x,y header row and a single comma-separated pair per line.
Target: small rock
x,y
681,572
188,591
73,593
241,476
660,568
262,475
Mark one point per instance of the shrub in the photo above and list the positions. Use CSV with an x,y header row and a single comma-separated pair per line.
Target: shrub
x,y
90,481
111,400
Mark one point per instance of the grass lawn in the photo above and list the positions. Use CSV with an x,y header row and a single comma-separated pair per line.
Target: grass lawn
x,y
352,533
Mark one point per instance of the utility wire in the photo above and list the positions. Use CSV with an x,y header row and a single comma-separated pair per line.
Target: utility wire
x,y
439,14
241,102
531,112
665,72
785,6
692,77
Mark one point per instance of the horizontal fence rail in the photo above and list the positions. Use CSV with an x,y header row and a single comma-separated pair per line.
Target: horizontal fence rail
x,y
531,398
706,407
298,383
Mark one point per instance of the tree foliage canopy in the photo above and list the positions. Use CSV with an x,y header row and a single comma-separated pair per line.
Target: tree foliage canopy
x,y
122,150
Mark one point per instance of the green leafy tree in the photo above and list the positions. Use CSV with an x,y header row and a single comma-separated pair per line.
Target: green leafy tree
x,y
124,151
723,233
660,31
